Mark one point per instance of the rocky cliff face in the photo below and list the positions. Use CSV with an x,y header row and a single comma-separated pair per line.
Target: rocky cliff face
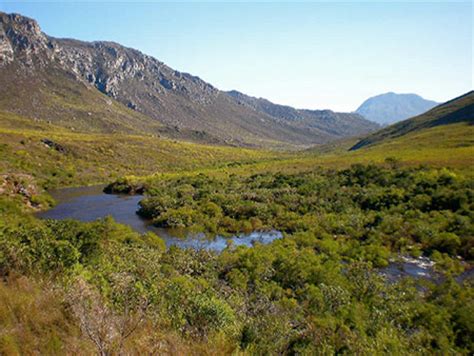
x,y
108,66
139,81
65,71
21,39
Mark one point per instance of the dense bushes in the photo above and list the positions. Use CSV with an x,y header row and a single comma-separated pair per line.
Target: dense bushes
x,y
316,291
404,209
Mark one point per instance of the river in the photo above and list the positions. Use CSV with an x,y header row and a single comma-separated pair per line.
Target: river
x,y
91,203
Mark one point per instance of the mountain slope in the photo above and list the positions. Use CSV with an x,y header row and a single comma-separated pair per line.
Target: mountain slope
x,y
323,122
389,108
458,110
105,87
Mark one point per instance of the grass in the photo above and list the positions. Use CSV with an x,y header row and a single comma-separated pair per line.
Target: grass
x,y
98,158
34,320
94,157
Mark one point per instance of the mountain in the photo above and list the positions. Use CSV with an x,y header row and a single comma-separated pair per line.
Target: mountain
x,y
326,122
106,87
458,110
386,109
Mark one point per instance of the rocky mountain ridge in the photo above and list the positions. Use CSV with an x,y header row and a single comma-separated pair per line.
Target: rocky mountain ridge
x,y
331,122
37,67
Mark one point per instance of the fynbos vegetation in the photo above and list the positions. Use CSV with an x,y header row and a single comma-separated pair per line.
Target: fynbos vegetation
x,y
75,113
316,290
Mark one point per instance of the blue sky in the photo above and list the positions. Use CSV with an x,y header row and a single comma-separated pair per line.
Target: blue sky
x,y
310,54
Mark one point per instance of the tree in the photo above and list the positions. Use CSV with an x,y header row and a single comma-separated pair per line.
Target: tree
x,y
105,327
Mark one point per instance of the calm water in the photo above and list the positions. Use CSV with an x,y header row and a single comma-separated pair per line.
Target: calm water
x,y
90,203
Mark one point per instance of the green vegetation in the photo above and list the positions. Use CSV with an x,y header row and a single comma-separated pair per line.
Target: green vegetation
x,y
317,291
96,158
68,287
377,209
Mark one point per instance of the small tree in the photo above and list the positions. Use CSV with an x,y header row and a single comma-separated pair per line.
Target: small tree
x,y
105,327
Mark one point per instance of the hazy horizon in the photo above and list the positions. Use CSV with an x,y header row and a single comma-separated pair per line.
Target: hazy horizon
x,y
307,55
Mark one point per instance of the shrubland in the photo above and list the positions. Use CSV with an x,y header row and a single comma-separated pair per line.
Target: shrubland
x,y
376,209
70,287
110,290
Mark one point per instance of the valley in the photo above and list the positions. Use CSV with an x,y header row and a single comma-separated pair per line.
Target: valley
x,y
145,211
319,233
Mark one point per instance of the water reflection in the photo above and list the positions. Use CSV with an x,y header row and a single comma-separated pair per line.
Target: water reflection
x,y
90,203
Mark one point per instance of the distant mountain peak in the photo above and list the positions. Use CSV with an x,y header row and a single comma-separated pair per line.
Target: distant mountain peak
x,y
454,111
391,107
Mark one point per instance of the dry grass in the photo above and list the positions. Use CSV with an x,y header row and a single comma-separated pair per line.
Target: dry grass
x,y
34,321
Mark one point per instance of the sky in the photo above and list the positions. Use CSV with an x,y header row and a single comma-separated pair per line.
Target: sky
x,y
315,55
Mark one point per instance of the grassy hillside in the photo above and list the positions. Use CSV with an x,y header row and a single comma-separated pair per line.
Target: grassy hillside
x,y
51,95
82,158
440,146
